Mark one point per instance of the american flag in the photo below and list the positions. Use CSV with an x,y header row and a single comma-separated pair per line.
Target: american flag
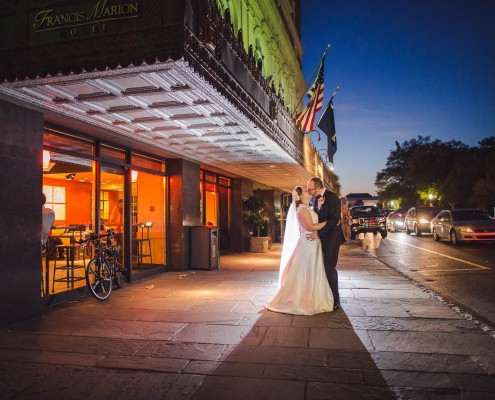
x,y
306,118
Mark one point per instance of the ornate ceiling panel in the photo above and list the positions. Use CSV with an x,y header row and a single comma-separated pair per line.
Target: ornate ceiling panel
x,y
169,107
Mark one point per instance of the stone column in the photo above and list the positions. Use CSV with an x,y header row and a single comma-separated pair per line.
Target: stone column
x,y
21,144
184,212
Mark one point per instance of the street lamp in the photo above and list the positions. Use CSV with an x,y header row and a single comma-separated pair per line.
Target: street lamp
x,y
431,197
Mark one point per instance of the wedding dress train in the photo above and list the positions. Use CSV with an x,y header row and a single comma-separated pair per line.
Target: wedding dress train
x,y
304,288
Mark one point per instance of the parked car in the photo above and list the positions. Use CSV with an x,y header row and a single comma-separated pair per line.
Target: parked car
x,y
395,220
367,219
418,220
387,211
463,224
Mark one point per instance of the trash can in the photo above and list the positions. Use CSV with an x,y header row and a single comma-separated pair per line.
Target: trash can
x,y
204,247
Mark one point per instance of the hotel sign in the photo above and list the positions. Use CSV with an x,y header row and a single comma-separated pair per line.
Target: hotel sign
x,y
83,20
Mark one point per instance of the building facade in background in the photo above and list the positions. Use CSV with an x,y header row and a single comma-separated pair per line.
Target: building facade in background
x,y
149,117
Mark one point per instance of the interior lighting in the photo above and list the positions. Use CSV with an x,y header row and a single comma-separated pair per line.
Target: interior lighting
x,y
134,176
46,159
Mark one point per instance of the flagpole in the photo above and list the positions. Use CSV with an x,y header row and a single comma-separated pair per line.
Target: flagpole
x,y
325,110
314,73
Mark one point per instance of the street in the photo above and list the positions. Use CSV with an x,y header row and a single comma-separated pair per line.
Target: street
x,y
463,275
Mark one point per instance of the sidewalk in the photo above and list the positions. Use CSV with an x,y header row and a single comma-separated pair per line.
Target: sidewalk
x,y
205,335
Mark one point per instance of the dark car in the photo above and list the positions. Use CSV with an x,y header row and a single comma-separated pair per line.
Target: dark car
x,y
463,224
418,220
395,220
367,219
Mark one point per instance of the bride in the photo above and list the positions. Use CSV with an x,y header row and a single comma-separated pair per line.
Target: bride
x,y
303,285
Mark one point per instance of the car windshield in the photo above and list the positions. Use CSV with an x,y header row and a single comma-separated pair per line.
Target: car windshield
x,y
363,211
469,215
426,213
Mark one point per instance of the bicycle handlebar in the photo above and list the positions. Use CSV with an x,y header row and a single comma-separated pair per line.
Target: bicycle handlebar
x,y
93,237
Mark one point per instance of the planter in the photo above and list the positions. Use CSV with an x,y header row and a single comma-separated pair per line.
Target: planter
x,y
259,244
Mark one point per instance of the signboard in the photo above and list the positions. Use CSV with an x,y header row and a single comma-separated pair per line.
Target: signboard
x,y
83,20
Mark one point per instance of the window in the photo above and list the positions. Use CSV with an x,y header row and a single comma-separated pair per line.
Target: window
x,y
55,199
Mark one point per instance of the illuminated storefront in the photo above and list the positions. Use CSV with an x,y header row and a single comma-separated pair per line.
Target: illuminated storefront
x,y
165,109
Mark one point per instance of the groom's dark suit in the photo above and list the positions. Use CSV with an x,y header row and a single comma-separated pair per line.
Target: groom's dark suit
x,y
331,236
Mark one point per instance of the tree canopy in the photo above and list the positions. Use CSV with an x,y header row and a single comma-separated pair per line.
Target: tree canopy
x,y
452,173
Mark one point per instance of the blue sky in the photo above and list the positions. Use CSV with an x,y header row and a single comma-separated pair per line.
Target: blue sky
x,y
405,68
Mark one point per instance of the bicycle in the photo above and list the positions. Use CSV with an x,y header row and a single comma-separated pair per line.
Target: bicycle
x,y
105,268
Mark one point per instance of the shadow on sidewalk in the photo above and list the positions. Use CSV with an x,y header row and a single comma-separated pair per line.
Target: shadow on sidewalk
x,y
294,357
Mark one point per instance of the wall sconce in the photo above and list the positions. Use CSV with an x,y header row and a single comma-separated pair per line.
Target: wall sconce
x,y
134,176
70,177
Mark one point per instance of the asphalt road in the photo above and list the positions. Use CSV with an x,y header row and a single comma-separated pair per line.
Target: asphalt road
x,y
463,274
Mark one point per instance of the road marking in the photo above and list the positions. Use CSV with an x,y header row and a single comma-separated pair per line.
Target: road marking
x,y
443,255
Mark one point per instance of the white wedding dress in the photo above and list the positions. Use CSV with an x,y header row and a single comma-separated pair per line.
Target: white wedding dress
x,y
304,288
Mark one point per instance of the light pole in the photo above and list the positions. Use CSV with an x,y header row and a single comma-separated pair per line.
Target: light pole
x,y
431,197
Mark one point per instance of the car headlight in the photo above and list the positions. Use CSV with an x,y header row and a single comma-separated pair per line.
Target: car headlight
x,y
423,221
465,229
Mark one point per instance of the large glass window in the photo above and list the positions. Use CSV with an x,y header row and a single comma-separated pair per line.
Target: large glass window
x,y
81,183
68,185
215,204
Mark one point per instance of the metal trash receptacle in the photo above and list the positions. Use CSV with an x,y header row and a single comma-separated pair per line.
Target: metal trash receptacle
x,y
203,247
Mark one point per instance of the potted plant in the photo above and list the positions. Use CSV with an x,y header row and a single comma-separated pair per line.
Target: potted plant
x,y
255,216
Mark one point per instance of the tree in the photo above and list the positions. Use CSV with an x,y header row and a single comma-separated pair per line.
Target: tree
x,y
456,174
255,214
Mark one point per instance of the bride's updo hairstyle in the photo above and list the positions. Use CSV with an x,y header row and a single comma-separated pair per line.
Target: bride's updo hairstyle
x,y
296,195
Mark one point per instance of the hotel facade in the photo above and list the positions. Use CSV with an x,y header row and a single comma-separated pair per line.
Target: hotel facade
x,y
155,118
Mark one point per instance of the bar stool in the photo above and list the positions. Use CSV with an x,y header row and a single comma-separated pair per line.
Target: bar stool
x,y
70,251
143,251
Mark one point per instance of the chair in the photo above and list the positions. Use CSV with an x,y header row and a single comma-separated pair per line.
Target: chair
x,y
143,244
70,251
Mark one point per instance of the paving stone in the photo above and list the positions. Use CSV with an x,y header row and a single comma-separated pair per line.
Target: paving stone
x,y
314,374
221,334
376,323
426,380
326,338
286,337
187,351
78,344
66,358
93,383
390,360
333,391
438,325
275,355
337,358
15,377
267,318
475,383
143,363
433,343
217,387
225,369
221,306
200,317
338,320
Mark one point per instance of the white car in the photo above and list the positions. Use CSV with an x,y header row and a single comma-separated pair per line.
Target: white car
x,y
463,224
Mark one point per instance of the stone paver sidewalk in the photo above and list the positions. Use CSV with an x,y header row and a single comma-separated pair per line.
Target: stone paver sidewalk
x,y
206,335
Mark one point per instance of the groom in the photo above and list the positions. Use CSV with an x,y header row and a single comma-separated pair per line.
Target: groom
x,y
327,205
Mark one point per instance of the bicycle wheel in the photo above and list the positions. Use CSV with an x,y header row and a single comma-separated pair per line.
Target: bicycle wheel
x,y
119,279
99,279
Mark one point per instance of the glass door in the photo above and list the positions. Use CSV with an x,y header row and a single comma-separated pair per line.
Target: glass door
x,y
112,201
148,221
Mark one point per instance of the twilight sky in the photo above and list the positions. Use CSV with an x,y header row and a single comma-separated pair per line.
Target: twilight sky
x,y
405,68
